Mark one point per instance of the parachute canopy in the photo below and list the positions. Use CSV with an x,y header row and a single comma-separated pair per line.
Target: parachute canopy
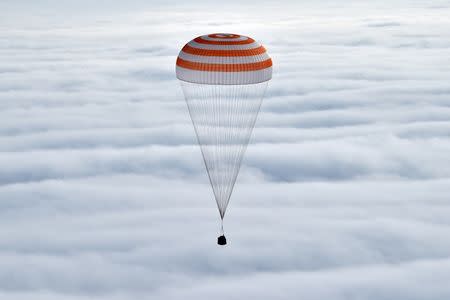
x,y
224,77
222,59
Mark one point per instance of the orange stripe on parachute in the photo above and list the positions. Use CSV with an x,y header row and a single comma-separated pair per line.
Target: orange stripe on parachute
x,y
224,67
208,42
208,52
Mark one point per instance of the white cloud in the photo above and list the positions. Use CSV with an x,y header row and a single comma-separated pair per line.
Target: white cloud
x,y
343,193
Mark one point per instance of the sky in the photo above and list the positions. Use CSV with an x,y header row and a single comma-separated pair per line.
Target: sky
x,y
343,193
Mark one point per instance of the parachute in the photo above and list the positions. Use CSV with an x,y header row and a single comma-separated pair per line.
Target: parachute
x,y
224,78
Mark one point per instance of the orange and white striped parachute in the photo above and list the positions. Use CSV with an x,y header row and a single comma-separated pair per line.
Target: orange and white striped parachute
x,y
224,78
224,59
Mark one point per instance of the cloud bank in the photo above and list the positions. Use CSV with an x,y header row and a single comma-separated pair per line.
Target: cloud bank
x,y
343,193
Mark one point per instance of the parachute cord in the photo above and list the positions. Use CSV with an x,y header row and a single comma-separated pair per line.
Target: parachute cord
x,y
221,227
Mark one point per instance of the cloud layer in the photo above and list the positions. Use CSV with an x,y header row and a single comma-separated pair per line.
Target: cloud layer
x,y
343,193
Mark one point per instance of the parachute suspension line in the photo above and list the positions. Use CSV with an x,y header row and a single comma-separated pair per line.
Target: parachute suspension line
x,y
196,96
223,117
221,227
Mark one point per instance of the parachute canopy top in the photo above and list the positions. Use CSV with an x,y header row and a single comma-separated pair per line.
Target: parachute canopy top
x,y
223,59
